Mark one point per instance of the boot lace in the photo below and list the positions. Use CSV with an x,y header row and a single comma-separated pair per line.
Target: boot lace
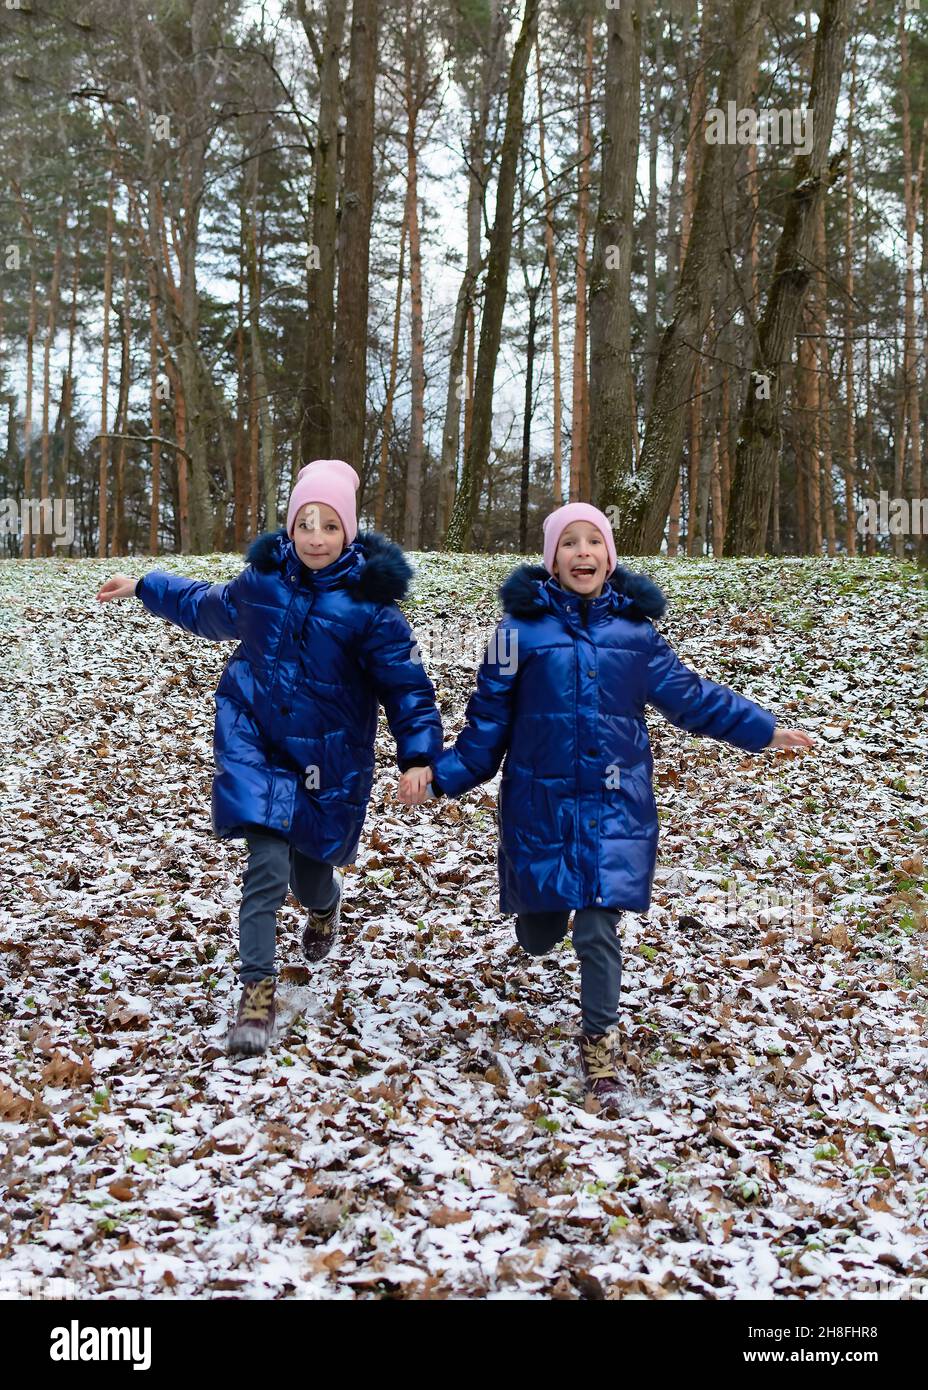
x,y
323,922
600,1058
257,1001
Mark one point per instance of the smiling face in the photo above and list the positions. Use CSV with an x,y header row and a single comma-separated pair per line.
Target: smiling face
x,y
318,535
581,561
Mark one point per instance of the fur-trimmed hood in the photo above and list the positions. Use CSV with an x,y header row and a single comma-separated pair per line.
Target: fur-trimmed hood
x,y
372,568
524,593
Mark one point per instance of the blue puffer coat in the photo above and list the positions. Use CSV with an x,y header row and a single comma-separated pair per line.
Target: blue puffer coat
x,y
562,695
296,706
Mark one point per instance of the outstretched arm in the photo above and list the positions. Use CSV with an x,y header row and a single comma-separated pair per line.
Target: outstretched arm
x,y
702,707
206,610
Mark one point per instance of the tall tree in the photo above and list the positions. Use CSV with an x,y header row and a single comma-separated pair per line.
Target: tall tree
x,y
611,371
460,528
643,501
316,416
580,406
349,379
759,436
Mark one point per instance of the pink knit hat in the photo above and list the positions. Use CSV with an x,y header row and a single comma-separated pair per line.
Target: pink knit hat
x,y
331,481
557,523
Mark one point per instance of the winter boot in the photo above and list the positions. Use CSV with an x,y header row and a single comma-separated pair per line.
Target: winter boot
x,y
322,927
254,1024
599,1062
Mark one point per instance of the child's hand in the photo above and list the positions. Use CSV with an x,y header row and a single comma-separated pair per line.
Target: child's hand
x,y
413,784
790,738
120,586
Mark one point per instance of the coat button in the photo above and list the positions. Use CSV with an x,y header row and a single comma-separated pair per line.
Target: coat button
x,y
592,675
592,824
285,821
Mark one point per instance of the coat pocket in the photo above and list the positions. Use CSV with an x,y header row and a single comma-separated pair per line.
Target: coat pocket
x,y
628,797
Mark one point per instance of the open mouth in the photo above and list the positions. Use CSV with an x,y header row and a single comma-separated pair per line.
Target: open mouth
x,y
583,571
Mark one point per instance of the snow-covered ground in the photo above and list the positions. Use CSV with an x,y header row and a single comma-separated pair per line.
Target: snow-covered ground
x,y
418,1130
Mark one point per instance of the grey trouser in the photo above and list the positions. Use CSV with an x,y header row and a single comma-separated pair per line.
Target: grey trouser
x,y
596,942
273,865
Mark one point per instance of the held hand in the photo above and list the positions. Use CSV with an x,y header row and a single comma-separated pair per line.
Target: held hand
x,y
413,785
790,738
120,586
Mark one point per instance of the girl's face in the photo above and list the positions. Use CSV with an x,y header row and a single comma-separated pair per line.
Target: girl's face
x,y
581,560
318,535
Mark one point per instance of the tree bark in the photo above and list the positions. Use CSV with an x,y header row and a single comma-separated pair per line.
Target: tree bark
x,y
758,445
460,528
413,82
557,433
316,418
103,499
44,538
644,500
122,410
391,390
611,370
259,371
579,418
911,185
349,405
650,234
850,406
460,376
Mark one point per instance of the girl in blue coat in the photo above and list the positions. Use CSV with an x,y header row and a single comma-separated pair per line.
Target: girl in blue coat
x,y
561,696
321,644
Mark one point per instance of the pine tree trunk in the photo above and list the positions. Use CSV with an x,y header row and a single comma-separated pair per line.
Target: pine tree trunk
x,y
912,190
650,233
718,526
460,376
695,150
349,402
674,194
527,416
644,503
259,372
68,386
460,529
44,538
551,255
807,403
416,453
870,472
122,411
240,523
850,407
579,441
102,542
611,389
897,541
316,418
828,482
759,437
673,519
391,390
154,524
922,541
